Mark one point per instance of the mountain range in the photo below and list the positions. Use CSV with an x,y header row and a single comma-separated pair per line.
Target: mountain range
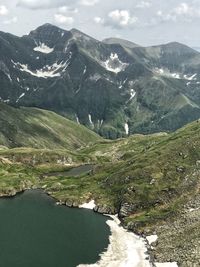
x,y
114,87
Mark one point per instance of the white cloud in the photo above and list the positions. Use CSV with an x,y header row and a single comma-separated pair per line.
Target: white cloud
x,y
98,20
88,2
3,10
61,19
182,12
67,9
10,21
121,18
144,4
183,9
165,17
117,19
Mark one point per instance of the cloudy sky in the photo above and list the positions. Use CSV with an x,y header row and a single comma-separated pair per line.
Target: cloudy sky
x,y
145,22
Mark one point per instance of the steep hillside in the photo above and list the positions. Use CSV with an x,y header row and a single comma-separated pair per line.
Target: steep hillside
x,y
113,87
32,127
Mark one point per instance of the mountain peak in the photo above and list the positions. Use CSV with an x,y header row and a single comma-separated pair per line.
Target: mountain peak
x,y
178,47
46,27
49,34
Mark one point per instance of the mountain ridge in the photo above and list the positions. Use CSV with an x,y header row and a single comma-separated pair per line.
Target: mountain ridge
x,y
113,89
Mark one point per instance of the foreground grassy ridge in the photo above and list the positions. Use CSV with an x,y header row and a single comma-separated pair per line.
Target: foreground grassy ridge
x,y
31,127
151,175
149,180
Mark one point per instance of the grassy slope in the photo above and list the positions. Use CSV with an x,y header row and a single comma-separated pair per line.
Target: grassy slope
x,y
155,176
150,173
31,127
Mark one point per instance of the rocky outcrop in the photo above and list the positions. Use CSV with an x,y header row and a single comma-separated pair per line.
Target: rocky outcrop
x,y
103,209
126,209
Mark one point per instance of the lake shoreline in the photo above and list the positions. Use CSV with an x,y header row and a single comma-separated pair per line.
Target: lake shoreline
x,y
143,238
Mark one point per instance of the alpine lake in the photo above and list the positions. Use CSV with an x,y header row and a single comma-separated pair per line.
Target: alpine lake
x,y
35,232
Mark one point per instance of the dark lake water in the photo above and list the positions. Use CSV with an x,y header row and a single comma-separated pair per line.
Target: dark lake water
x,y
76,171
34,232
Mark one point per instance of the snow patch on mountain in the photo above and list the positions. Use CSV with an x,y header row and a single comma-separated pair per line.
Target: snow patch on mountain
x,y
100,123
132,94
166,72
4,100
95,77
175,75
90,120
43,48
85,70
126,128
48,71
77,119
114,64
22,95
190,77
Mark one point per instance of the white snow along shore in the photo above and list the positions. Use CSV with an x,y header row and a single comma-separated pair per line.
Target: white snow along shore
x,y
125,249
90,205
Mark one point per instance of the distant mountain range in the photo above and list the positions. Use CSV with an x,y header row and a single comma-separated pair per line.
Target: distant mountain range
x,y
114,87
